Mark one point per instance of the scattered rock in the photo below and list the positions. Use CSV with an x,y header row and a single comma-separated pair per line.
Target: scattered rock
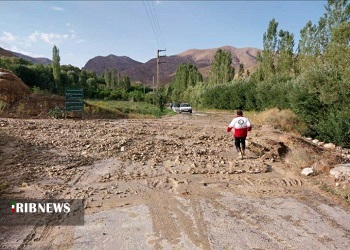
x,y
340,170
315,141
307,171
321,166
329,146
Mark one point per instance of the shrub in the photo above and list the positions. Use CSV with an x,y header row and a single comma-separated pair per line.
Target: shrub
x,y
56,113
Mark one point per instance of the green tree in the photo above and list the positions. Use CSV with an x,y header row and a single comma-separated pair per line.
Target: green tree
x,y
82,79
56,68
187,75
221,68
241,70
114,78
108,78
266,58
285,53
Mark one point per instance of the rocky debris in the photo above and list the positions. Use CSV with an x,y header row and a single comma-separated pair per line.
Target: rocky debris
x,y
341,174
163,161
341,170
321,166
345,153
144,151
307,171
329,146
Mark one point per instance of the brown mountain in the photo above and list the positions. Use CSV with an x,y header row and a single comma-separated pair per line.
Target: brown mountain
x,y
6,53
38,60
100,63
144,72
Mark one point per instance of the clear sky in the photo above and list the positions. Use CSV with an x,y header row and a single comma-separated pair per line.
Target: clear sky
x,y
85,29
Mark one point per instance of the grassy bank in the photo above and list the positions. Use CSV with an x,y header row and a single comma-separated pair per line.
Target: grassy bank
x,y
125,109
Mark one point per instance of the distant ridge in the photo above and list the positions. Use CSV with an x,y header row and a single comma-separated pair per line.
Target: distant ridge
x,y
38,60
100,63
6,53
144,72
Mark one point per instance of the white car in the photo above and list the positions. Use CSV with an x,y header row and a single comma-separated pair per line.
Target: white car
x,y
185,107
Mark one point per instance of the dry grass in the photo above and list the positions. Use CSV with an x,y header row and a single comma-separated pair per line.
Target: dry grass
x,y
285,120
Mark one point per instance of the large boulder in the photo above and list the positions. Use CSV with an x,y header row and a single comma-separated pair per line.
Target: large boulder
x,y
12,88
341,170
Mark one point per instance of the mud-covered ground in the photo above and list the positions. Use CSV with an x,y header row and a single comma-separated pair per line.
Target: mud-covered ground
x,y
172,183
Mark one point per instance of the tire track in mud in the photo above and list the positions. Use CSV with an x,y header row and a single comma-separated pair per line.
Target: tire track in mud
x,y
196,192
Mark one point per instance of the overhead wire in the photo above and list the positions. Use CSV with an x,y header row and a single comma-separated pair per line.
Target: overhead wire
x,y
153,19
157,24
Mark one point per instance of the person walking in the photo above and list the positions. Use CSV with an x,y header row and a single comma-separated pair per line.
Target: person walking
x,y
241,126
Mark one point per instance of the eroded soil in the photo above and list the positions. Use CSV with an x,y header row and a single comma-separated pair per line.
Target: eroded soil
x,y
171,183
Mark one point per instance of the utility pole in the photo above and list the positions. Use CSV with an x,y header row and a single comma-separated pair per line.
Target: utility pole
x,y
159,62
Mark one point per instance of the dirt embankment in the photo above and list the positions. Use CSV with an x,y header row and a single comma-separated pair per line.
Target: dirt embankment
x,y
172,183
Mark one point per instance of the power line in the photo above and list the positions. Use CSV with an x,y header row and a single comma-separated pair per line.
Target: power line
x,y
151,23
157,22
153,19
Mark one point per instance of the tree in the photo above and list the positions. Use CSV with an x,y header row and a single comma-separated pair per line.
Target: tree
x,y
221,68
315,38
114,79
285,48
337,12
187,75
266,58
241,70
82,79
108,78
56,68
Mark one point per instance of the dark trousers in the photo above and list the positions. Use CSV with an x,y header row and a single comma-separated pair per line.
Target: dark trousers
x,y
238,142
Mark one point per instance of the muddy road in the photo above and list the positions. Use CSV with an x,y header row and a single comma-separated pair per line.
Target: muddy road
x,y
170,183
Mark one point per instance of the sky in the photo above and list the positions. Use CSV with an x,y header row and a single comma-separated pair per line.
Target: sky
x,y
84,29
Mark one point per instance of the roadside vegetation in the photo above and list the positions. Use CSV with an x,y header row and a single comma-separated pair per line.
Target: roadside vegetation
x,y
126,109
312,82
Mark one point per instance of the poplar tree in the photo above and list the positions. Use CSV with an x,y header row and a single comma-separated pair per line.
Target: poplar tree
x,y
56,68
114,81
221,68
187,75
108,78
241,70
267,56
285,48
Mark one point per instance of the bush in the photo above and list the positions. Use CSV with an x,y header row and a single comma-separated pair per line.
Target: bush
x,y
320,99
150,97
335,128
56,113
136,95
2,106
231,96
116,95
273,93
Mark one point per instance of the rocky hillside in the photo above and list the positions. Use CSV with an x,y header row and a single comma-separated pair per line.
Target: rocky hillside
x,y
100,63
6,53
144,72
37,60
